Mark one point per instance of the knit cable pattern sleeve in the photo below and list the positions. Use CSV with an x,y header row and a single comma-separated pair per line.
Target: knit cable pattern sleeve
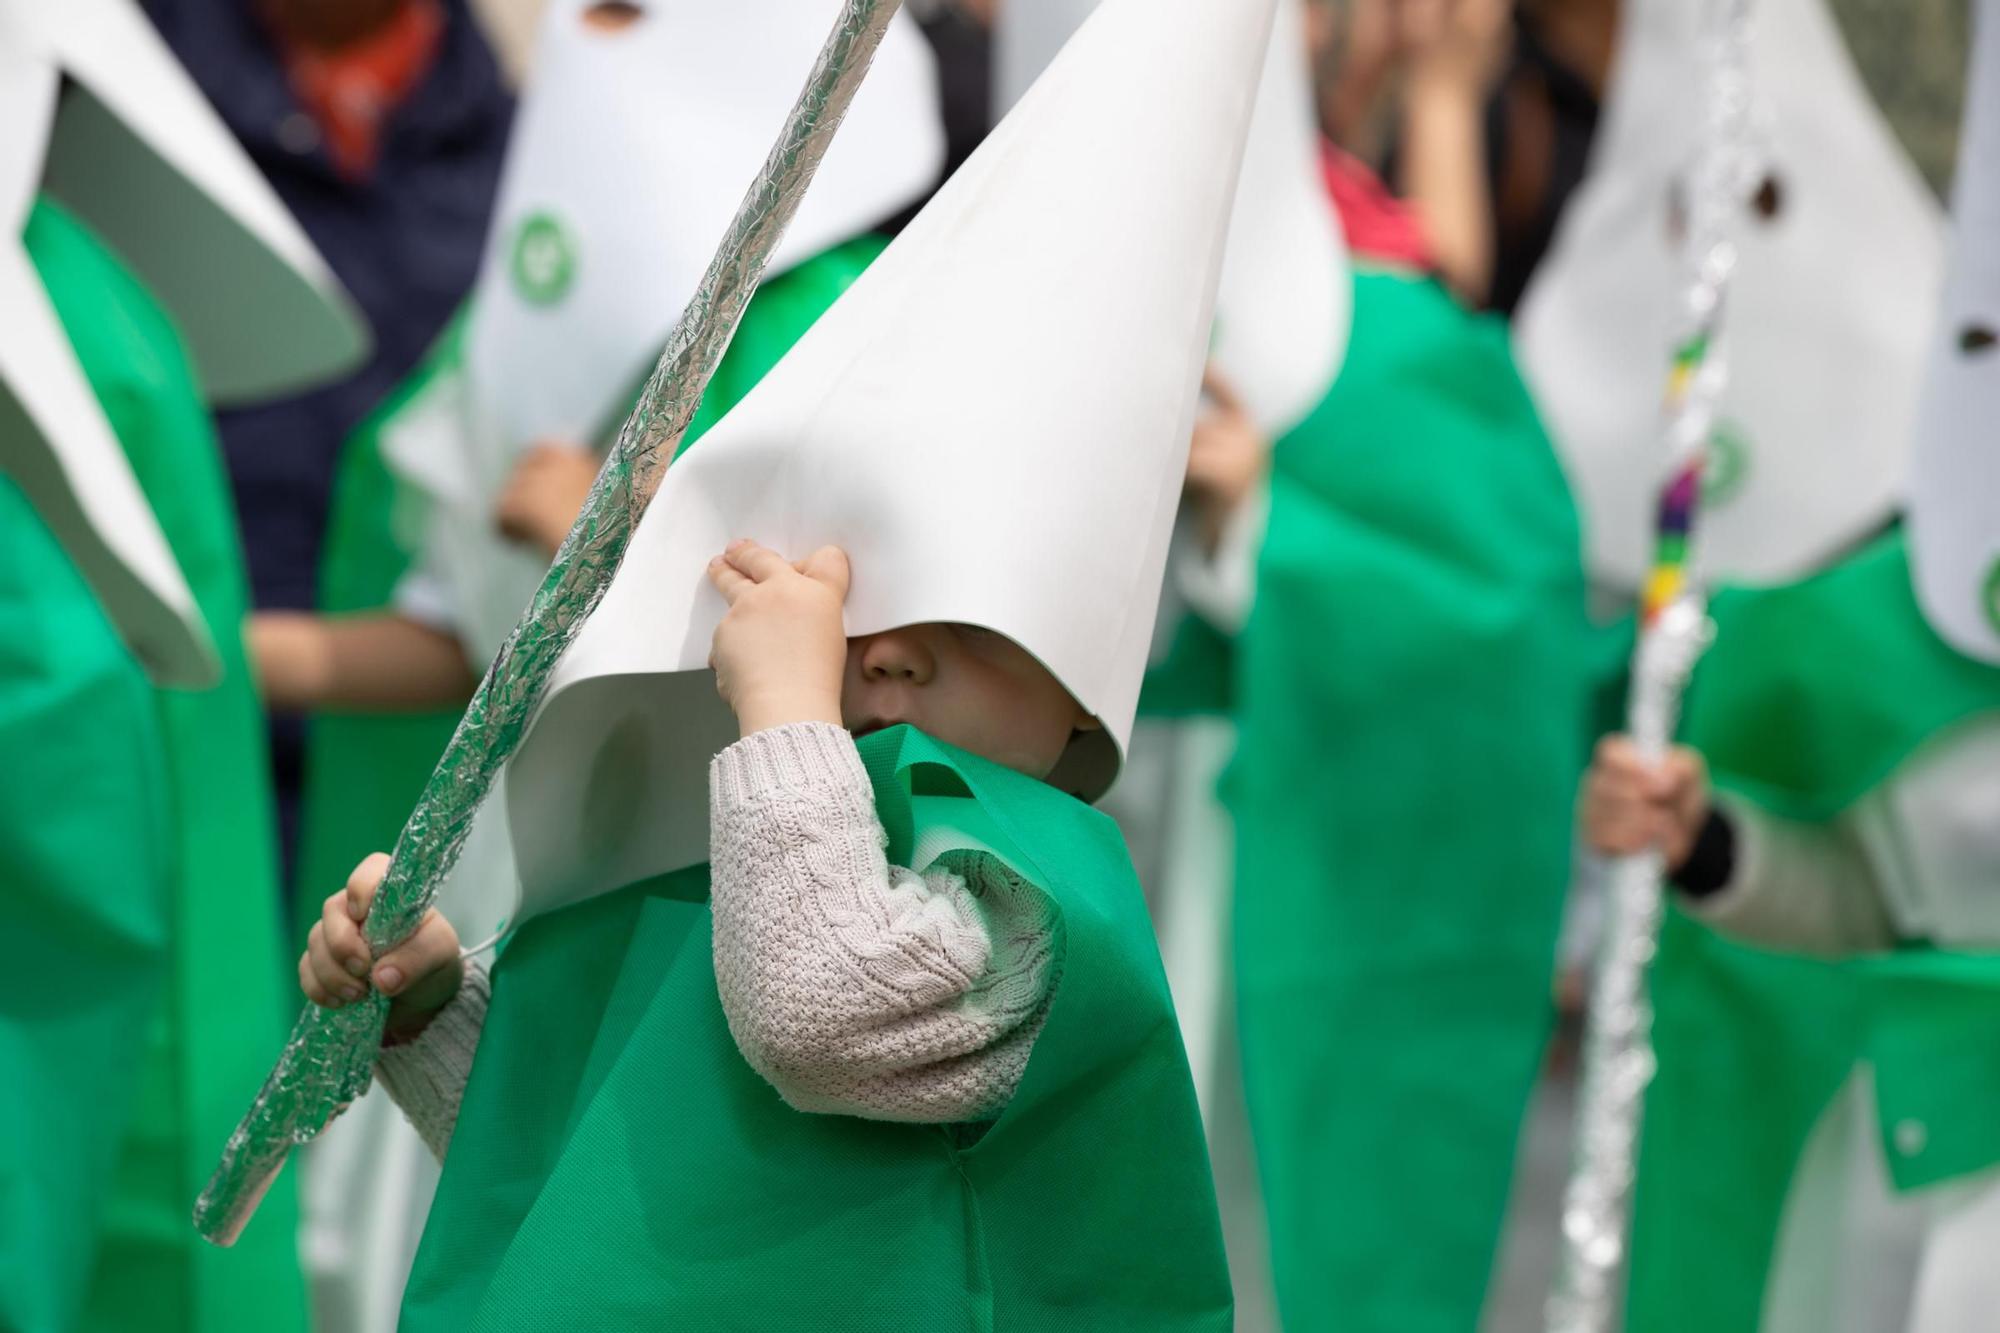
x,y
426,1078
853,986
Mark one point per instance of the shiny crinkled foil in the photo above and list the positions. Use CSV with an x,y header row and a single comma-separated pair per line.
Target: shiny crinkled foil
x,y
1618,1061
328,1061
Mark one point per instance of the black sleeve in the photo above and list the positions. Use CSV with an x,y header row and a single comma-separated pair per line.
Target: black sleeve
x,y
1711,862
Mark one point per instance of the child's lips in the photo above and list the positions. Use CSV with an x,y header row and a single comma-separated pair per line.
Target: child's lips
x,y
871,726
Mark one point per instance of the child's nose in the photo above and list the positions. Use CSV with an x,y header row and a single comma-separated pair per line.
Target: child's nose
x,y
900,656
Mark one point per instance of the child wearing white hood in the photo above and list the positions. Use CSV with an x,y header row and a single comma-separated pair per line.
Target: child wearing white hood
x,y
852,954
962,961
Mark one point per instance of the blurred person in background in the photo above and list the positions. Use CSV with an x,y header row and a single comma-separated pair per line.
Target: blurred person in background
x,y
1416,656
1482,114
961,36
146,273
1382,575
382,124
1816,703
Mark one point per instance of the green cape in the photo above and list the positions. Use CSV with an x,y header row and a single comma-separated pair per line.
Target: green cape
x,y
190,855
1412,690
364,771
84,902
1814,693
617,1162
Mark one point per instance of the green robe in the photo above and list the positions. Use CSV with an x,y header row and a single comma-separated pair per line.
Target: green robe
x,y
1813,695
364,771
617,1162
166,937
1412,690
84,902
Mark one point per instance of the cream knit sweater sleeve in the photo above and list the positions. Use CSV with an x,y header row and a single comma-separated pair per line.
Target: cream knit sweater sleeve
x,y
1805,888
853,986
427,1077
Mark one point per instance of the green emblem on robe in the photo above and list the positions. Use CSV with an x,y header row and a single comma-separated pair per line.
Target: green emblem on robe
x,y
544,260
1728,464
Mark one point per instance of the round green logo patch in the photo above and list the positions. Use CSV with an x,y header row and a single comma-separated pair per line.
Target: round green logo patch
x,y
544,263
1989,594
1728,464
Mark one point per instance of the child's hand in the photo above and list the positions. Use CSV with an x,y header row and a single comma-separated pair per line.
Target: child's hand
x,y
540,502
1630,805
781,652
1226,459
1455,42
420,975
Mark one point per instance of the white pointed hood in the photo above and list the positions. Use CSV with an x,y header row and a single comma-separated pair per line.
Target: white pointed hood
x,y
1841,253
1286,301
1954,517
993,422
630,153
137,154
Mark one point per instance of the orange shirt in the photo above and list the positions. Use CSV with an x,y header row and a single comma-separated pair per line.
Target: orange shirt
x,y
350,91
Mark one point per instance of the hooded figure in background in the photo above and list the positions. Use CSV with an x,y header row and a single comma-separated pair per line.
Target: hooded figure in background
x,y
1395,624
1280,332
638,132
897,430
1832,941
148,272
382,125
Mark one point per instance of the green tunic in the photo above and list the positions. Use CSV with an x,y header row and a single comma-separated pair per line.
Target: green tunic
x,y
364,771
166,910
1813,695
1412,690
84,901
617,1162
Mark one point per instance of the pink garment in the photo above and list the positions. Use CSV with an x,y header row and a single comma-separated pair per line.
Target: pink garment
x,y
1379,226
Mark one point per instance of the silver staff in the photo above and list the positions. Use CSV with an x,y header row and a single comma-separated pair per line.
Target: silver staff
x,y
327,1062
1618,1059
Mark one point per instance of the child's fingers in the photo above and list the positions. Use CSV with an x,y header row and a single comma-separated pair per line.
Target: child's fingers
x,y
1673,778
1220,390
1618,755
361,885
828,566
1614,787
434,948
345,945
1625,832
309,982
335,985
759,562
728,580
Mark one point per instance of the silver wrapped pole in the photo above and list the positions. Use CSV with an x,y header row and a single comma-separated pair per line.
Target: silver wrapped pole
x,y
1618,1061
330,1057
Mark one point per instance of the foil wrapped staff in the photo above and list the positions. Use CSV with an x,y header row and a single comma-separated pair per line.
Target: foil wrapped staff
x,y
328,1061
1618,1061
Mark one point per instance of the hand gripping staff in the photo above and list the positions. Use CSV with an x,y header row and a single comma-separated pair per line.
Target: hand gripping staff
x,y
1618,1060
328,1061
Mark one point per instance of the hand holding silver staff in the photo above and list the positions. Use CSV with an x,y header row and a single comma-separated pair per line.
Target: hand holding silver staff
x,y
1618,1059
